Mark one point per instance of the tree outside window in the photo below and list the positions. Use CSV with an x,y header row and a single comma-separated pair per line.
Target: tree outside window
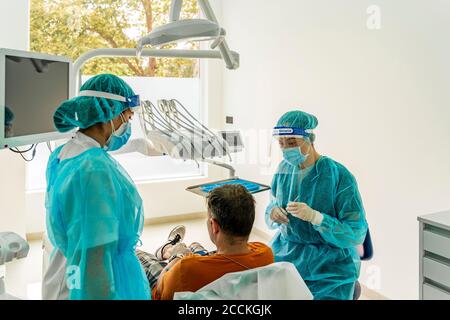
x,y
74,27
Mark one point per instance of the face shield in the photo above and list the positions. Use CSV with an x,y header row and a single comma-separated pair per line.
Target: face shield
x,y
289,143
133,102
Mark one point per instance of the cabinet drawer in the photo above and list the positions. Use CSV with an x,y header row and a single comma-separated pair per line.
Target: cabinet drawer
x,y
436,271
436,243
431,292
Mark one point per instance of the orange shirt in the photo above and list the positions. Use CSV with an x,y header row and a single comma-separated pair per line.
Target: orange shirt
x,y
194,272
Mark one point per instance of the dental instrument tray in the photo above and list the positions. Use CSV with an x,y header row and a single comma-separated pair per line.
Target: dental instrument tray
x,y
205,189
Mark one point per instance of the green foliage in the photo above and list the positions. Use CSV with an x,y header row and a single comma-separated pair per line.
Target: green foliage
x,y
74,27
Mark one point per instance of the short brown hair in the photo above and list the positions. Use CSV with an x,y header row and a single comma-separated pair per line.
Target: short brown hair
x,y
234,209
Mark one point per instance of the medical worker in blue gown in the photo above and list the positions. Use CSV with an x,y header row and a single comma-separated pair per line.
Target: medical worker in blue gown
x,y
94,212
318,212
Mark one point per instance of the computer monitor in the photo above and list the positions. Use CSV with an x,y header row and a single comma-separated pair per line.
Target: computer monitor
x,y
32,86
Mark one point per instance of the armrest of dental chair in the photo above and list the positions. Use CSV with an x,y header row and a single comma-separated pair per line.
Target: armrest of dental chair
x,y
366,253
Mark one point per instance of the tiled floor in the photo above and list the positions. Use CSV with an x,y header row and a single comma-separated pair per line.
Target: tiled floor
x,y
24,276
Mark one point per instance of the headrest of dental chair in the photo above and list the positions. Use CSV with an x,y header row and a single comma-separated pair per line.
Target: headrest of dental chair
x,y
277,281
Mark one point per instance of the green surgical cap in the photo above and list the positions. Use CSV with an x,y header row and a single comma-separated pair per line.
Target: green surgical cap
x,y
298,119
83,112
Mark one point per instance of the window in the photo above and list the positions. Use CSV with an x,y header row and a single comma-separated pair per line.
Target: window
x,y
74,27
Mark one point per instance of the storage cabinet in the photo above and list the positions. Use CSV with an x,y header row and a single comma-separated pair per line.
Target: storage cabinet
x,y
434,262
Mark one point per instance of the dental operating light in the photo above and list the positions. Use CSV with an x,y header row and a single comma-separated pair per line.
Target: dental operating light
x,y
183,30
191,30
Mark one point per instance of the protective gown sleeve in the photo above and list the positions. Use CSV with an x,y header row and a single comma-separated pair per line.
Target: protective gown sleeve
x,y
349,228
97,231
272,204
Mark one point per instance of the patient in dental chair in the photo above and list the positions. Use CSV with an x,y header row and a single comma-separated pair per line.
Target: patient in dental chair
x,y
176,267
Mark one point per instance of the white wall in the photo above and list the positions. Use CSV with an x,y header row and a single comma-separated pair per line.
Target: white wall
x,y
14,28
381,97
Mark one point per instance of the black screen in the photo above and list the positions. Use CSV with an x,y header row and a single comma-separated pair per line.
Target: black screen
x,y
34,88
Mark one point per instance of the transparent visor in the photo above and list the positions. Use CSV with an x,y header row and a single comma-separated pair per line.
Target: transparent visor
x,y
290,137
284,138
133,102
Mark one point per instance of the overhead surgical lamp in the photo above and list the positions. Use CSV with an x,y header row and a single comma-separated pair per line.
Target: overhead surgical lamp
x,y
191,30
183,30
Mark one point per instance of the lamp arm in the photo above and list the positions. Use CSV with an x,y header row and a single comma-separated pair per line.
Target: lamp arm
x,y
230,60
175,10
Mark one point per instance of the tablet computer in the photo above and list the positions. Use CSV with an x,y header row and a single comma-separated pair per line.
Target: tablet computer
x,y
205,189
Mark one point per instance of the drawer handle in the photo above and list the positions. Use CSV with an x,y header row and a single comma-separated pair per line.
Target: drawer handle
x,y
437,258
439,232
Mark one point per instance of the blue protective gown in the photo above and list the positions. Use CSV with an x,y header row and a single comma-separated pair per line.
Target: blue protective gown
x,y
95,218
325,255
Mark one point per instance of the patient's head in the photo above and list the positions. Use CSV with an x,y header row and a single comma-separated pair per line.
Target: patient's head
x,y
231,213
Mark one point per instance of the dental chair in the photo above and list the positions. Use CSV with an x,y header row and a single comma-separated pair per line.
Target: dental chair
x,y
12,247
277,281
366,253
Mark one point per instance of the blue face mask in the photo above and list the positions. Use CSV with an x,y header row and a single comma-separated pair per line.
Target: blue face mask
x,y
119,138
294,156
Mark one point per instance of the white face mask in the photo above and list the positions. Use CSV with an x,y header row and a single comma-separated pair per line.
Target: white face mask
x,y
295,156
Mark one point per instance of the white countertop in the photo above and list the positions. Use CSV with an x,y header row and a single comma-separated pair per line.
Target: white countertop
x,y
439,219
